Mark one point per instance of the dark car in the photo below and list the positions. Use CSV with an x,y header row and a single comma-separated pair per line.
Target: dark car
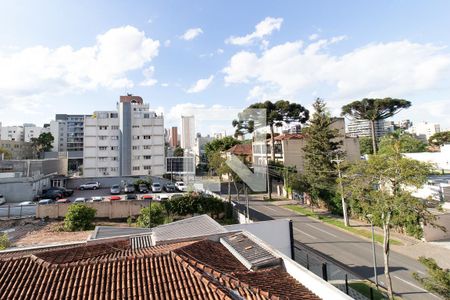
x,y
143,188
131,197
64,191
52,194
170,188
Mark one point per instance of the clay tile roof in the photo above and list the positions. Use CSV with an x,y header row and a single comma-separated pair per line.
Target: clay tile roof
x,y
241,149
114,270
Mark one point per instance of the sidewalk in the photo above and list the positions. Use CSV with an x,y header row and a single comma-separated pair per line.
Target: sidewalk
x,y
412,247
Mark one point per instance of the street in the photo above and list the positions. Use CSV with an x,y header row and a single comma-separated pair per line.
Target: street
x,y
351,250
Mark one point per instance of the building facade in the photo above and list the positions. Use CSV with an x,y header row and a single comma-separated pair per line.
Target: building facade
x,y
359,128
424,130
187,132
173,137
12,133
128,141
18,149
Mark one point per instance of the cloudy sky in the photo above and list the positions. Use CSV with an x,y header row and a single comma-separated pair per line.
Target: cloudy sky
x,y
213,58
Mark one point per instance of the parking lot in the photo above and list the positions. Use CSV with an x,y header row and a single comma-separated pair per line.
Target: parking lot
x,y
105,193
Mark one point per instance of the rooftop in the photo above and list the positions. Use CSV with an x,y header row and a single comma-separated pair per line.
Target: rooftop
x,y
241,149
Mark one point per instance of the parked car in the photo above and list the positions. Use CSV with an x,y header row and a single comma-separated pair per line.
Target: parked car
x,y
79,200
115,198
162,197
156,187
2,199
46,201
96,199
143,188
26,203
181,186
174,196
90,186
170,188
131,197
129,188
64,191
52,194
115,190
147,197
64,200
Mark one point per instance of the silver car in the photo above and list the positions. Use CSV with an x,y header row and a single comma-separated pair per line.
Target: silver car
x,y
156,187
115,190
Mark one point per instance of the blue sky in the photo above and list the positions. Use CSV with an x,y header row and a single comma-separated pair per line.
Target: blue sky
x,y
212,58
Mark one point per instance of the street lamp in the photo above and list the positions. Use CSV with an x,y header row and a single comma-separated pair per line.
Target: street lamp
x,y
370,218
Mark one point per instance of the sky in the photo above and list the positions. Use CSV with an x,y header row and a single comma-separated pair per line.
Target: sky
x,y
214,58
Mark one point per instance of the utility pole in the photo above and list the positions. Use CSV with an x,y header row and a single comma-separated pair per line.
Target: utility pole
x,y
341,186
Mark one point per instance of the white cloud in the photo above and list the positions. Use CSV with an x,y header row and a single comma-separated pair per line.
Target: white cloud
x,y
40,70
167,43
219,51
148,75
313,37
200,85
164,84
262,29
191,34
382,69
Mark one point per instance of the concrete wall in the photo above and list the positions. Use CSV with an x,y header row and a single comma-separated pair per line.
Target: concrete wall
x,y
20,189
434,234
110,210
108,181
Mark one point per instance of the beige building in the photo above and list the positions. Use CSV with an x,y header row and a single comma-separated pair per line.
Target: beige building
x,y
18,149
289,148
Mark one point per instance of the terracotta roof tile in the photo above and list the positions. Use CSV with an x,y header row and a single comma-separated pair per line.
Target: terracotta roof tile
x,y
113,270
241,149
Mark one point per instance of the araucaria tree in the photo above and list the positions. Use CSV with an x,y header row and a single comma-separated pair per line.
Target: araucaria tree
x,y
381,189
321,148
277,114
374,110
42,143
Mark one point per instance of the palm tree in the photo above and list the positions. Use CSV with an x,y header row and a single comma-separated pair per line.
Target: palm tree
x,y
374,110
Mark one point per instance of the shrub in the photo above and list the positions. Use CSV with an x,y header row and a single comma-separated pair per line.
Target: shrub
x,y
4,241
438,279
194,203
154,214
79,217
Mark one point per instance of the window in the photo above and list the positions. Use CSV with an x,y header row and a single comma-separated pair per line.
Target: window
x,y
102,158
147,167
102,170
147,157
114,137
102,137
136,168
102,148
147,137
136,157
146,116
135,137
135,126
102,127
115,148
114,169
147,147
135,147
114,158
114,115
114,127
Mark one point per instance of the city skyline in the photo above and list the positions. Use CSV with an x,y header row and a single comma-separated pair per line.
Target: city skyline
x,y
196,60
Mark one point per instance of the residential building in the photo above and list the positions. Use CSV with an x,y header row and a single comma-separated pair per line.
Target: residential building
x,y
126,141
18,149
289,148
12,133
173,137
199,149
243,151
359,128
196,258
187,132
439,160
32,131
424,130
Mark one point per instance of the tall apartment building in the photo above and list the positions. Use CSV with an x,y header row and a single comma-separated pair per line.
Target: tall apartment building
x,y
187,132
31,131
358,128
424,130
173,137
128,141
12,133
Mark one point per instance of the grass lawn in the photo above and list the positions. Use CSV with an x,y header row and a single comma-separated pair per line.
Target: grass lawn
x,y
364,289
339,223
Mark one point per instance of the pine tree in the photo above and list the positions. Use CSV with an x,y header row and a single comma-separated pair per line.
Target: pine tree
x,y
321,148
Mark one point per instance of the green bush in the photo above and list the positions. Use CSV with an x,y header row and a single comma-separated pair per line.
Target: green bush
x,y
154,214
194,203
4,241
147,182
79,217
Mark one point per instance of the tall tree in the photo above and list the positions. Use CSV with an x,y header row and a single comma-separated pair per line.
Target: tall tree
x,y
365,145
219,145
178,152
42,143
374,110
276,114
321,148
440,138
377,187
438,280
6,153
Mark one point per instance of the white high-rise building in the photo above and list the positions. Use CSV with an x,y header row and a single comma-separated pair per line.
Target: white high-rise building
x,y
359,128
32,131
12,133
187,132
129,141
424,130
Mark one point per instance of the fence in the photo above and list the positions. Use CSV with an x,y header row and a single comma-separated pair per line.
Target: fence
x,y
10,211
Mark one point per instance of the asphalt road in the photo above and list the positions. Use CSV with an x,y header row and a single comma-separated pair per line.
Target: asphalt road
x,y
351,250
